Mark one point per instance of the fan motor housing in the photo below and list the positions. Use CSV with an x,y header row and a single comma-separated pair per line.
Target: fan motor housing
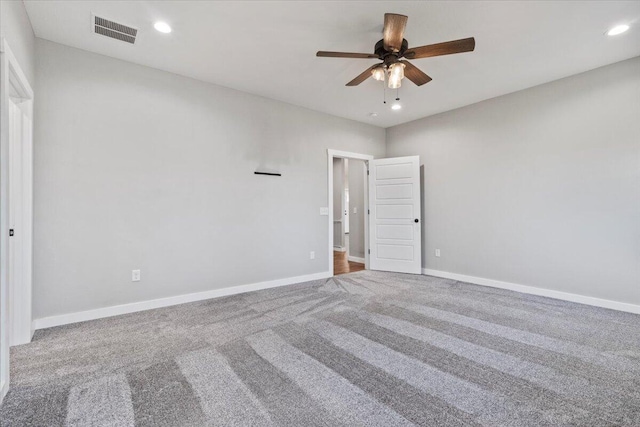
x,y
383,53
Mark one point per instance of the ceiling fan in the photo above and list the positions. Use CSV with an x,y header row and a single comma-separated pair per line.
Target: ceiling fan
x,y
393,47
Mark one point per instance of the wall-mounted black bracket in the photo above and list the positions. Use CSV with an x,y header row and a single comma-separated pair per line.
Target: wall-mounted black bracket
x,y
268,173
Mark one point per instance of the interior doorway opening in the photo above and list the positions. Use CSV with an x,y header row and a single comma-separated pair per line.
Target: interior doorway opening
x,y
16,209
348,219
348,215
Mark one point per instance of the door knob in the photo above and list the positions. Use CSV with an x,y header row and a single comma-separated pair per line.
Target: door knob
x,y
416,220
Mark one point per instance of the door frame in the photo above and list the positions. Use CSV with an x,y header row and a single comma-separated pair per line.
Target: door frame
x,y
331,154
13,81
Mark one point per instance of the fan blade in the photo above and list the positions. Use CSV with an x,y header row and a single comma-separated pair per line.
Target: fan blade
x,y
393,32
362,77
345,55
414,74
446,48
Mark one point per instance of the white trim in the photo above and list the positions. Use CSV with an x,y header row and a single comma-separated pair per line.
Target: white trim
x,y
115,310
4,221
4,389
356,259
566,296
346,155
25,86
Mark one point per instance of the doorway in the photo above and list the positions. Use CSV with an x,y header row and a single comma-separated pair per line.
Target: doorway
x,y
348,215
348,219
393,219
16,208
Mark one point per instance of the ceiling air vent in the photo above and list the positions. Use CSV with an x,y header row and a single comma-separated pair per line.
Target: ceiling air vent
x,y
114,30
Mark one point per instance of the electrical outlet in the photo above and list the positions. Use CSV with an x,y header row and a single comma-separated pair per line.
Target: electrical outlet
x,y
312,255
324,211
355,210
437,252
135,275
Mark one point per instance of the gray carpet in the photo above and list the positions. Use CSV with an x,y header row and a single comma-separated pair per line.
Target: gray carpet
x,y
367,348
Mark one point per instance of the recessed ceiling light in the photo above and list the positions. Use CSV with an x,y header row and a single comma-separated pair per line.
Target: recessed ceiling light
x,y
373,115
163,27
618,29
396,106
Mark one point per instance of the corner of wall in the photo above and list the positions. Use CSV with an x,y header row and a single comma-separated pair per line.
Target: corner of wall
x,y
386,141
18,33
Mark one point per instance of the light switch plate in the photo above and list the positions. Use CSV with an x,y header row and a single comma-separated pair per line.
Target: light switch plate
x,y
135,275
324,211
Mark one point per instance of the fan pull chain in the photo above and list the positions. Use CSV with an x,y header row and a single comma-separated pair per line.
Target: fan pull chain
x,y
397,94
384,91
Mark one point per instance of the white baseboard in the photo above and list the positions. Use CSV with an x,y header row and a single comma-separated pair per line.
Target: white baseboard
x,y
356,259
99,313
64,319
566,296
4,389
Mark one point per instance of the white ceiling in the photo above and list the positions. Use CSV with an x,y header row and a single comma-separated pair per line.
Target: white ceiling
x,y
268,48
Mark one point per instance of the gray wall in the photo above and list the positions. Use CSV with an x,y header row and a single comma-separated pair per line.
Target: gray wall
x,y
15,27
356,200
138,168
540,187
141,169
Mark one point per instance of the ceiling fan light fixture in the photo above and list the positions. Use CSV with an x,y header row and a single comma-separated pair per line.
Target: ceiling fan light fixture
x,y
396,106
393,48
394,83
379,73
396,74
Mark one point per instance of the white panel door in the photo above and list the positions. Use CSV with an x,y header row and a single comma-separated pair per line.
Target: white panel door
x,y
394,217
19,293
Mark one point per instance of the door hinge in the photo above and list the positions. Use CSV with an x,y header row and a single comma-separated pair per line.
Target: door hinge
x,y
368,212
11,232
369,251
367,171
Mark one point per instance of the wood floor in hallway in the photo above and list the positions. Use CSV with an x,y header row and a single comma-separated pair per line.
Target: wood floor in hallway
x,y
341,265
